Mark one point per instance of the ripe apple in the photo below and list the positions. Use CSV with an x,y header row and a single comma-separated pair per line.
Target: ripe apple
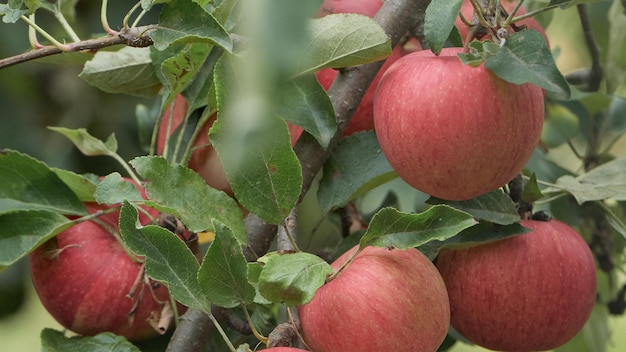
x,y
531,292
455,131
385,300
468,12
204,159
284,349
83,278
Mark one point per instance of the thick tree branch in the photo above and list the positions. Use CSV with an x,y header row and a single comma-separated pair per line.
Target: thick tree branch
x,y
137,37
396,17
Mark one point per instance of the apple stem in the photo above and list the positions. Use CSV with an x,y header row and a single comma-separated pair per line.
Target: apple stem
x,y
221,332
255,332
345,265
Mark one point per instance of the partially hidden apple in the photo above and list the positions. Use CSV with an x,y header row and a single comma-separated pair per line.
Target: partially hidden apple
x,y
531,292
87,281
467,10
452,130
204,159
363,119
384,300
284,349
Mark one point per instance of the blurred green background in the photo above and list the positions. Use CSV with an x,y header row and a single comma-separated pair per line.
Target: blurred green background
x,y
34,95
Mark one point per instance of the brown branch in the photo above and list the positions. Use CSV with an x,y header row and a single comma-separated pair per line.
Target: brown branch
x,y
396,17
136,37
595,73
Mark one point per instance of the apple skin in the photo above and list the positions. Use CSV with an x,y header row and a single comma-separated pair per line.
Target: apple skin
x,y
83,276
368,8
284,349
468,12
455,131
531,292
385,300
204,159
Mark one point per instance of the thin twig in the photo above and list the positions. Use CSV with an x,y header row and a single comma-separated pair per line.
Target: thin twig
x,y
136,37
596,73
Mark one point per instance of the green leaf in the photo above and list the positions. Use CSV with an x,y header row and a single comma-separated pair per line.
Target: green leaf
x,y
293,278
23,231
531,191
88,144
525,58
83,187
183,21
343,40
479,52
184,191
604,182
113,189
224,271
355,166
56,341
168,259
482,233
183,67
496,207
304,102
29,184
227,13
254,146
439,21
560,125
389,227
254,272
126,71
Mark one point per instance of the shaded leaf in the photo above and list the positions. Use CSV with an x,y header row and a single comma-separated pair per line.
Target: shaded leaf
x,y
82,186
560,126
181,189
531,191
496,207
126,71
439,21
343,40
168,259
293,278
223,275
304,102
389,227
526,58
29,184
356,165
186,22
23,231
56,341
180,69
482,233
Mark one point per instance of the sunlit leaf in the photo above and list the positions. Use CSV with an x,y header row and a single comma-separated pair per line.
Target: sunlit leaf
x,y
293,278
86,143
389,227
113,189
56,341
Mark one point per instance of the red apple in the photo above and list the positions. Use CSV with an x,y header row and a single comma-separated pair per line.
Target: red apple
x,y
368,8
83,278
467,10
284,349
455,131
204,159
385,300
532,292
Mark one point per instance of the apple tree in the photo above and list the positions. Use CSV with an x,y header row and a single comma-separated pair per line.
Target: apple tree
x,y
324,175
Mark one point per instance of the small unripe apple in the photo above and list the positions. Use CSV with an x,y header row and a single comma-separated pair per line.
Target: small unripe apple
x,y
204,159
467,10
531,292
384,300
87,281
455,131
